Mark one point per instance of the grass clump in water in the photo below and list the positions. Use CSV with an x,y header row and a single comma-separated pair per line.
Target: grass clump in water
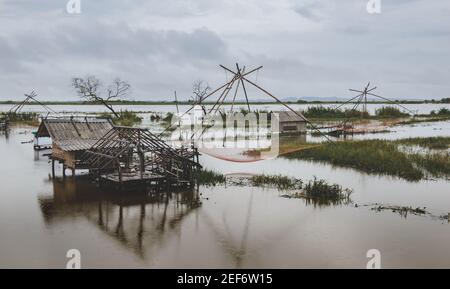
x,y
441,112
331,113
383,157
22,117
434,164
320,193
209,178
389,111
427,142
127,118
370,156
317,192
278,181
124,118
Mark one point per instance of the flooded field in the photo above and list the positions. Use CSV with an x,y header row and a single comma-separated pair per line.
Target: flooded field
x,y
222,226
419,109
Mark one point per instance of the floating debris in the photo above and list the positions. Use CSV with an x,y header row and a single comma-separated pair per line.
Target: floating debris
x,y
404,211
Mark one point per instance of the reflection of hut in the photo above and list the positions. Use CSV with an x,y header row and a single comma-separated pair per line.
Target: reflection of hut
x,y
4,123
72,137
140,221
291,123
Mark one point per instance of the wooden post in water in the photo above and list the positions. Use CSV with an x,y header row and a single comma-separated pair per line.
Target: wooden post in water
x,y
53,168
120,173
141,156
141,163
64,170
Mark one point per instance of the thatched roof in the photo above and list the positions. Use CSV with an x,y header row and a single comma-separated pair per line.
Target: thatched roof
x,y
74,134
289,116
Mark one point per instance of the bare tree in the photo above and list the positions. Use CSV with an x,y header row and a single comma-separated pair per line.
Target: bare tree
x,y
200,90
89,88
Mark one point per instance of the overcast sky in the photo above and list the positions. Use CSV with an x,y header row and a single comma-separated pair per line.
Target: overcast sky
x,y
307,47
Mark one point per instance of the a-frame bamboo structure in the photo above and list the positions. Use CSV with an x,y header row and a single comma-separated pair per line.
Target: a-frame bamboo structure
x,y
16,108
240,80
360,100
31,97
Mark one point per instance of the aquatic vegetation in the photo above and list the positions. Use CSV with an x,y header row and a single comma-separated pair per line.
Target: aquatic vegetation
x,y
434,164
320,188
20,116
424,119
155,117
389,111
320,193
381,157
125,118
330,113
370,156
441,112
403,211
316,192
427,142
168,117
278,181
209,178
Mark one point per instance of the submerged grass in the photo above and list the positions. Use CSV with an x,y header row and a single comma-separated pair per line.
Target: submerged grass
x,y
424,119
209,178
427,142
383,157
320,193
434,164
21,117
278,181
371,156
331,113
317,192
125,118
389,111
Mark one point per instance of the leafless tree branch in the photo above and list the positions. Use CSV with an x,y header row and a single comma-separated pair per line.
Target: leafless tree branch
x,y
200,90
89,89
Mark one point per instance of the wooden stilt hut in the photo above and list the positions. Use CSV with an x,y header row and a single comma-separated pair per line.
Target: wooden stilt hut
x,y
71,137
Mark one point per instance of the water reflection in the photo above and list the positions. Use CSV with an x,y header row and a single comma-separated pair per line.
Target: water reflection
x,y
321,202
139,220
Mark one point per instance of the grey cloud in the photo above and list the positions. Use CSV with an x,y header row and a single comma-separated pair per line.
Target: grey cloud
x,y
308,47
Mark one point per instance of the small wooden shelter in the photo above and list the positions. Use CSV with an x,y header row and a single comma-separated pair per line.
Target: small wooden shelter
x,y
291,123
71,137
117,154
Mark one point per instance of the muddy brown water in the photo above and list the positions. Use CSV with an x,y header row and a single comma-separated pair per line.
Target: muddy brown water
x,y
213,227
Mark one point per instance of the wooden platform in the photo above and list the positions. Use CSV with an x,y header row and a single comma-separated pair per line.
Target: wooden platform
x,y
133,177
